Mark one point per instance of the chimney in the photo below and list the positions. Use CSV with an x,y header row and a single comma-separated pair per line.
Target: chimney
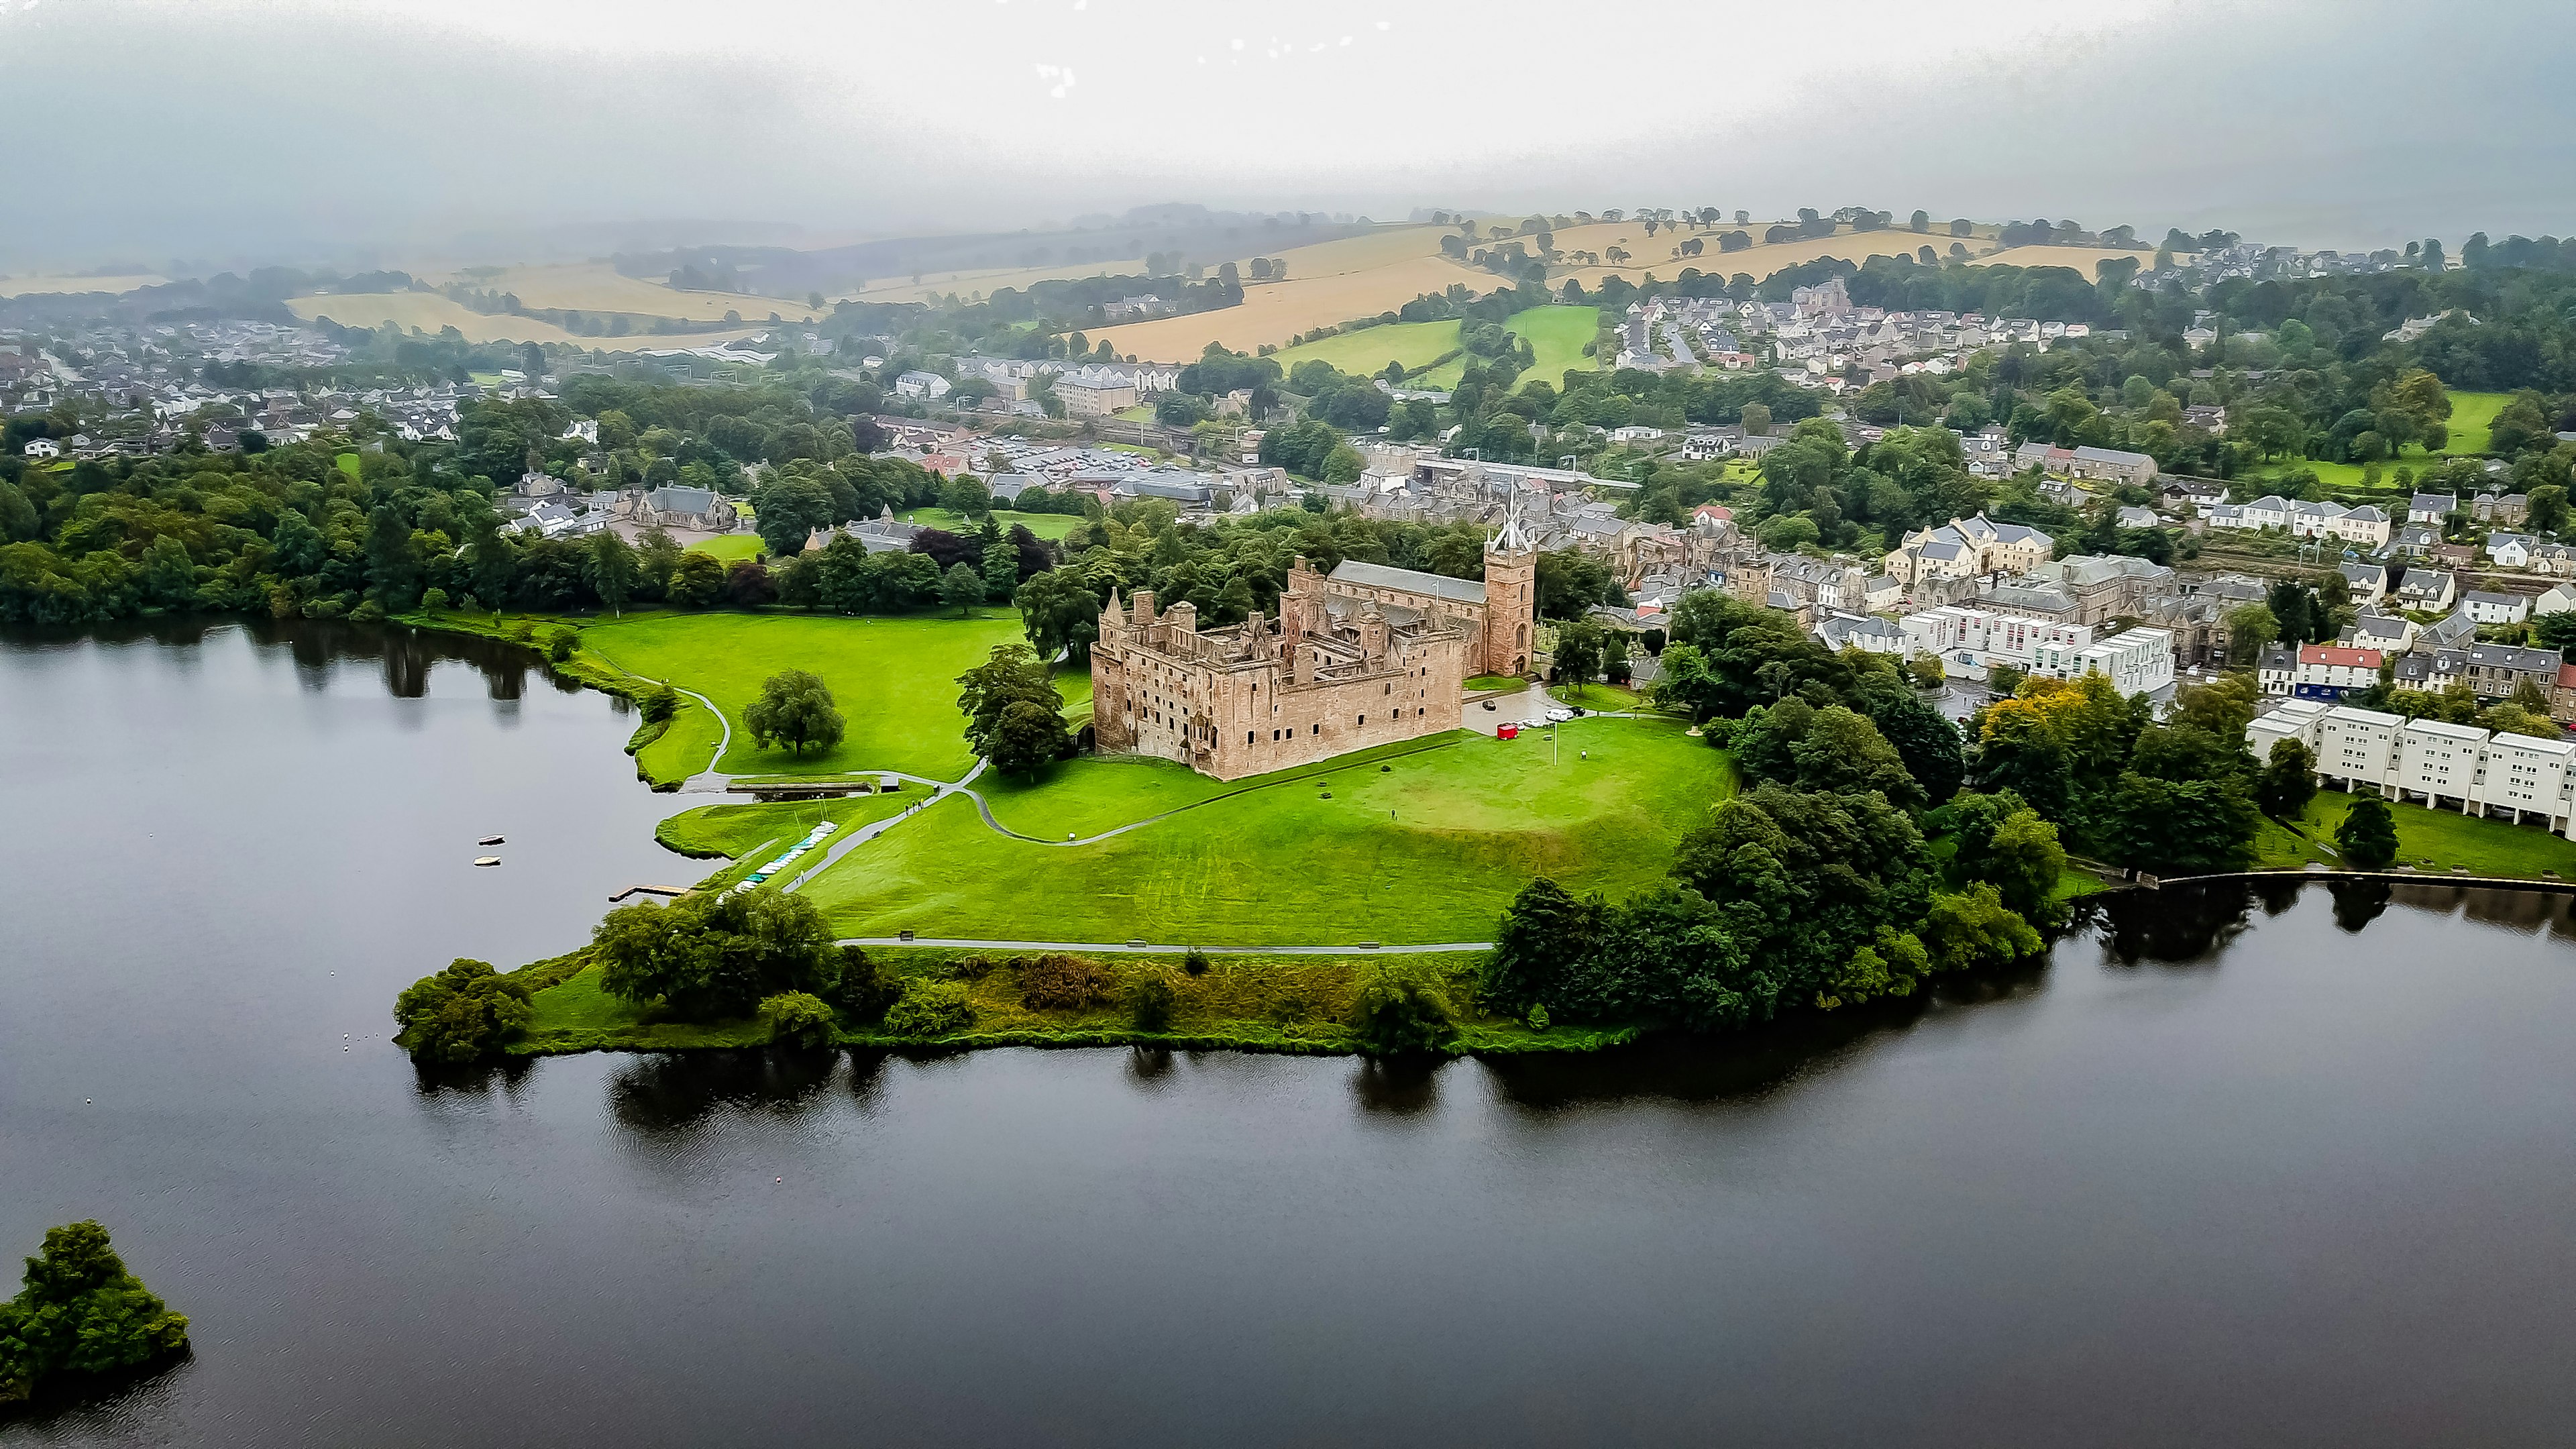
x,y
1144,614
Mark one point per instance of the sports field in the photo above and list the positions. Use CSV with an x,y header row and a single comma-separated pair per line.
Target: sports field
x,y
1396,847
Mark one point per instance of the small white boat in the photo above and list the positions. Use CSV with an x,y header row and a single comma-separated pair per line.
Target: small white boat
x,y
487,860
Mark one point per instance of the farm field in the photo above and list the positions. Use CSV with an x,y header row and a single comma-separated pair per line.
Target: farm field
x,y
1557,337
1366,353
600,287
1401,847
41,285
1339,281
893,679
1044,525
977,284
2082,260
432,311
2432,841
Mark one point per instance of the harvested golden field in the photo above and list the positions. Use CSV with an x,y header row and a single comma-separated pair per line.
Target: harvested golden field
x,y
1274,312
45,286
1655,254
430,312
599,287
2080,259
975,285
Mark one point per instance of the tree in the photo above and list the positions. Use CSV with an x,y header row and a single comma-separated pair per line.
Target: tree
x,y
611,569
962,587
2023,862
657,557
2249,628
1059,612
461,1013
1545,934
2367,834
1401,1006
713,957
697,581
799,1018
2289,781
81,1312
1578,652
1001,569
1151,998
1028,735
795,708
393,559
1012,677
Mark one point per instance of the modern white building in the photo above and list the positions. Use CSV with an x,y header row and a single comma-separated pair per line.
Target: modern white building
x,y
1970,642
2444,766
2137,661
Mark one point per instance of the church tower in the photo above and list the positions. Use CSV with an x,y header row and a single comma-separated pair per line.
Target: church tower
x,y
1511,599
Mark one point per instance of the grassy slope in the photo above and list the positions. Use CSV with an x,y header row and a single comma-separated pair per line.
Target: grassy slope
x,y
2430,840
894,679
1557,336
1428,850
729,547
1044,525
1366,353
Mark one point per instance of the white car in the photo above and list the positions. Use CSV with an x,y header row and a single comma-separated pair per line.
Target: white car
x,y
1559,716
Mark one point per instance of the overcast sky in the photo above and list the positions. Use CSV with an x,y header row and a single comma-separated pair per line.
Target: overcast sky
x,y
415,130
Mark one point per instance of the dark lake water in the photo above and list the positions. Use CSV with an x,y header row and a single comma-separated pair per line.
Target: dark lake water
x,y
2291,1168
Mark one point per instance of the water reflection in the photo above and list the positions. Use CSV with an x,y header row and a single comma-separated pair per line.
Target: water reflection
x,y
674,1092
2180,925
1399,1086
2357,903
437,1081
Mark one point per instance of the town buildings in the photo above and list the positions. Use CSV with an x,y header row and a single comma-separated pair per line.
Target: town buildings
x,y
2445,766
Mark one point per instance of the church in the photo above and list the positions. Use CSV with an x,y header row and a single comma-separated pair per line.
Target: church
x,y
1366,655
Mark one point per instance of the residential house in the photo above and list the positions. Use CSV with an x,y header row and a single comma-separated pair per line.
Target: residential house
x,y
2495,670
1870,635
2489,608
1965,547
2507,508
2367,581
2366,526
2326,671
2511,550
42,448
2425,589
2112,465
2277,669
2562,697
2431,508
921,385
2558,599
2391,634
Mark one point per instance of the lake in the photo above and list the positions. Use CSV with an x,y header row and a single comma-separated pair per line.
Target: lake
x,y
2289,1166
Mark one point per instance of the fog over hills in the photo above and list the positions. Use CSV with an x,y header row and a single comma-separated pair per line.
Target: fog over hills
x,y
400,131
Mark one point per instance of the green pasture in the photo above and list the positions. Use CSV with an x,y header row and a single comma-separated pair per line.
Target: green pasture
x,y
1044,525
728,547
1399,847
1366,353
1557,337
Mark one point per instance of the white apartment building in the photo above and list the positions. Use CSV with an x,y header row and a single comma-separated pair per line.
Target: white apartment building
x,y
2137,661
2436,764
1971,642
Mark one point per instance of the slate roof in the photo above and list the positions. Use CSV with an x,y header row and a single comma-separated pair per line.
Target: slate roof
x,y
1438,586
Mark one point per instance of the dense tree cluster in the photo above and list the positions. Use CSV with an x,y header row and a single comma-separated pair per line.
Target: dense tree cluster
x,y
461,1014
79,1312
706,957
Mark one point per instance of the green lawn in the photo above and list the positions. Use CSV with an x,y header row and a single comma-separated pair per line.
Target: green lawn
x,y
2433,841
1428,849
1599,696
1044,525
1507,683
348,464
1366,353
894,679
1557,337
729,546
2472,415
